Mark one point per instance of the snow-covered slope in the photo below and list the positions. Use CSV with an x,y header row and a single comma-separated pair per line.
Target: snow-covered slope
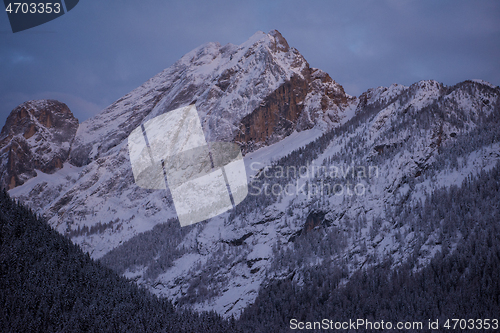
x,y
329,175
344,204
232,86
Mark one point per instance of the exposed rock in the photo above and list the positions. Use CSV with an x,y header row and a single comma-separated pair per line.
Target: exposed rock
x,y
37,136
313,220
275,118
298,104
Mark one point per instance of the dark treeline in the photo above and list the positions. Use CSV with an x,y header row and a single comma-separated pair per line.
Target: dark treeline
x,y
47,284
156,249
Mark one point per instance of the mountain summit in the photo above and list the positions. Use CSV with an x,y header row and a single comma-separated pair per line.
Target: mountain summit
x,y
255,94
336,183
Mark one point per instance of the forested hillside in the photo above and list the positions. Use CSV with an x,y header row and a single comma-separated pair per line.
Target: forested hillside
x,y
461,283
47,284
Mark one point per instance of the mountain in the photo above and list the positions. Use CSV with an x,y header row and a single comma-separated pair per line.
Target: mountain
x,y
48,284
333,179
37,136
233,87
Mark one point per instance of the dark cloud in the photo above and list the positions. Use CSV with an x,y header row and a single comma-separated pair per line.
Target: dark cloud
x,y
101,50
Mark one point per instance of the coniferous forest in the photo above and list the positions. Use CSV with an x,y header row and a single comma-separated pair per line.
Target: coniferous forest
x,y
49,285
461,283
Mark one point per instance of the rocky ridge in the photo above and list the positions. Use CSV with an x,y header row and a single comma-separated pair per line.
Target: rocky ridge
x,y
37,135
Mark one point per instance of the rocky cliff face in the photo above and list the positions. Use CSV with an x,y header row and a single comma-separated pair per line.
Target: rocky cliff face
x,y
37,136
291,108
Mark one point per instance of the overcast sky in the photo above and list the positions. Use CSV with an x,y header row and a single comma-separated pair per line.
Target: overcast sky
x,y
101,50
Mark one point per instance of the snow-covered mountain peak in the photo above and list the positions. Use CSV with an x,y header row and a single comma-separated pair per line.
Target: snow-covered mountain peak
x,y
383,94
229,83
289,119
280,43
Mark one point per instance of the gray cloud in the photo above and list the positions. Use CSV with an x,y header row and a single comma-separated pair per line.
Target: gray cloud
x,y
101,50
